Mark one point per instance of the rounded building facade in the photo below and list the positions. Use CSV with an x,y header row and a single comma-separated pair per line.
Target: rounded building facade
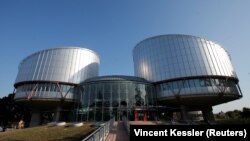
x,y
186,70
52,75
114,96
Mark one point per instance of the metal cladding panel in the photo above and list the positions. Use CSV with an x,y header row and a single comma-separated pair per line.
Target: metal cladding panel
x,y
175,56
71,64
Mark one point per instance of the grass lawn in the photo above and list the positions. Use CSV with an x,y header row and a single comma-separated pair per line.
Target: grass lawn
x,y
45,133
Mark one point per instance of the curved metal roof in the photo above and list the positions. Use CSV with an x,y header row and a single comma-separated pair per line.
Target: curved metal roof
x,y
59,48
116,78
177,35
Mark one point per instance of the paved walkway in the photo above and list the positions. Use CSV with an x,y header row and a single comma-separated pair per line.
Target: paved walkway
x,y
118,132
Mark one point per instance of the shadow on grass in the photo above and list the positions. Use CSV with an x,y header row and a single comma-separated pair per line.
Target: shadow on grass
x,y
77,137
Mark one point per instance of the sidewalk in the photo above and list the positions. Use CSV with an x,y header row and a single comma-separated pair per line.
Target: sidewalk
x,y
118,132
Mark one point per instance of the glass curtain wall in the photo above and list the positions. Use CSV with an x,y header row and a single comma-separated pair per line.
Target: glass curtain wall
x,y
115,99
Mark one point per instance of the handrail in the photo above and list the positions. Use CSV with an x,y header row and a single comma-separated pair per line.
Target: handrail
x,y
101,133
126,124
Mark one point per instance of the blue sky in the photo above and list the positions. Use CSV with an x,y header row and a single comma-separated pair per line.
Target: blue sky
x,y
113,27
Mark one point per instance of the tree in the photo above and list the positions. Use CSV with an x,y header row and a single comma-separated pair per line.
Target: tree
x,y
236,114
11,112
245,112
138,98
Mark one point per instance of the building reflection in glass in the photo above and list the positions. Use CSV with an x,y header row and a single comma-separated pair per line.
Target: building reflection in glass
x,y
108,97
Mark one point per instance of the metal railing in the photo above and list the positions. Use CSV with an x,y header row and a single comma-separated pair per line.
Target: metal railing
x,y
126,124
101,133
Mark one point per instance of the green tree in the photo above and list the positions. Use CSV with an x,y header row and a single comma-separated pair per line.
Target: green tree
x,y
245,112
236,114
12,112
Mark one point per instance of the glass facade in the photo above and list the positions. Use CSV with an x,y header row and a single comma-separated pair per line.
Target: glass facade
x,y
116,96
212,86
55,73
45,90
168,69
